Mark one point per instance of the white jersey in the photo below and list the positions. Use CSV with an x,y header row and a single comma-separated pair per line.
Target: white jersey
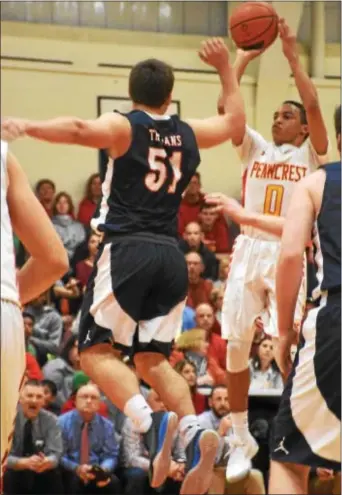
x,y
270,173
9,288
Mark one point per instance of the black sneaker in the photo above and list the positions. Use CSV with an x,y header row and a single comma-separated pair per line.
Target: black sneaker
x,y
200,455
158,440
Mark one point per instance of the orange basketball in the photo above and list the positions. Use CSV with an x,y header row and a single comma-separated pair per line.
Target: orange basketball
x,y
254,25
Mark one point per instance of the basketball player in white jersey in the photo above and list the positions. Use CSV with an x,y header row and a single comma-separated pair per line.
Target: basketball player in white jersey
x,y
21,210
271,170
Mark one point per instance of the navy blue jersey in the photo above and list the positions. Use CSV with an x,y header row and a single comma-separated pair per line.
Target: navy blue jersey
x,y
142,189
328,231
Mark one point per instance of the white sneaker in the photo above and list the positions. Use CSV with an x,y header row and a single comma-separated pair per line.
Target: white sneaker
x,y
239,460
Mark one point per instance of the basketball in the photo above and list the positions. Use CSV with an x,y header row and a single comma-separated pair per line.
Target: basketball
x,y
254,25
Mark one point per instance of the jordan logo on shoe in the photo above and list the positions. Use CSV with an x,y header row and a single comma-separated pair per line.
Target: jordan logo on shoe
x,y
281,447
87,339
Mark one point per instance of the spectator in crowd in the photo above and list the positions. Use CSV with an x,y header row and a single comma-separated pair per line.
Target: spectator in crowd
x,y
47,330
193,345
217,349
217,418
193,242
85,267
89,442
324,481
67,295
136,461
78,381
62,369
187,369
222,273
50,394
199,288
190,204
215,230
29,321
45,192
92,198
216,299
70,231
188,319
33,371
263,368
32,465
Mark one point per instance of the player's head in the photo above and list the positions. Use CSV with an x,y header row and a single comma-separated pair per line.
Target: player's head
x,y
337,122
151,83
290,125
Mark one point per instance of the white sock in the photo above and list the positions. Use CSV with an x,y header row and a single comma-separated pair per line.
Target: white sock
x,y
240,425
188,427
137,409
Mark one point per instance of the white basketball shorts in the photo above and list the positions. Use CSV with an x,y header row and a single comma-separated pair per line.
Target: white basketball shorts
x,y
250,290
12,371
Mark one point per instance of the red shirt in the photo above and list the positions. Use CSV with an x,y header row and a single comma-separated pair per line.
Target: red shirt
x,y
33,371
86,211
218,350
217,240
83,272
199,293
187,213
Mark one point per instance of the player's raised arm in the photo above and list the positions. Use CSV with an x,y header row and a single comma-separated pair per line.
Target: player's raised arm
x,y
110,131
220,128
307,91
268,223
49,260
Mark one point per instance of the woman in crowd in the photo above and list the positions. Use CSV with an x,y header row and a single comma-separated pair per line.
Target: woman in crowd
x,y
263,368
187,369
70,231
91,200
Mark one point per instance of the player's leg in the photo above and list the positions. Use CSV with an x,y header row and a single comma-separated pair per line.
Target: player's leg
x,y
104,323
287,478
163,317
12,372
243,303
307,428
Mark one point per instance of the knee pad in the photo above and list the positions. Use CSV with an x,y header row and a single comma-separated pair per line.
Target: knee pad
x,y
238,355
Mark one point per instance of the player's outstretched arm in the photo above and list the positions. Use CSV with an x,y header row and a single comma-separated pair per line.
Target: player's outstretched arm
x,y
220,128
49,260
110,131
306,89
232,208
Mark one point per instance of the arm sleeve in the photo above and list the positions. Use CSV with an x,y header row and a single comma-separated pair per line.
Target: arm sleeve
x,y
252,144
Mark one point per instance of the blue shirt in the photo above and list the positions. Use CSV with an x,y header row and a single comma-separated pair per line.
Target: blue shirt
x,y
103,448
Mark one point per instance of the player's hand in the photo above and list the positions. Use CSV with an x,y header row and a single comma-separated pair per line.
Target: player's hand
x,y
12,128
247,55
214,52
222,203
284,353
288,40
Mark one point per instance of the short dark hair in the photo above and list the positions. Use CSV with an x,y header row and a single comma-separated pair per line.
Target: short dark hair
x,y
337,120
216,387
151,82
33,382
45,181
28,314
300,106
51,386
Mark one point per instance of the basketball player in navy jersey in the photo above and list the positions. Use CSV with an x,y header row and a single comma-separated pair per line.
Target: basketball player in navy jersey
x,y
307,429
136,295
